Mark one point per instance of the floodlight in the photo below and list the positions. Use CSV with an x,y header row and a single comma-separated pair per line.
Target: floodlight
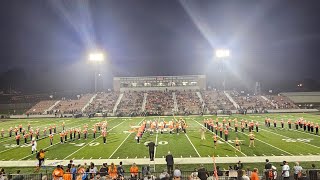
x,y
222,53
96,57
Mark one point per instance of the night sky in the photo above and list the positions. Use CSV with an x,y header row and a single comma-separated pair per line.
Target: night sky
x,y
270,41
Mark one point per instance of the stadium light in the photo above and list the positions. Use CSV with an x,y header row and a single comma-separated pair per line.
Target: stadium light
x,y
222,53
96,57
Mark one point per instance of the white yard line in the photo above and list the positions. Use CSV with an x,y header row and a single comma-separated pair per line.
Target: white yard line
x,y
47,146
119,146
45,125
222,139
305,133
289,138
123,141
192,145
91,141
155,148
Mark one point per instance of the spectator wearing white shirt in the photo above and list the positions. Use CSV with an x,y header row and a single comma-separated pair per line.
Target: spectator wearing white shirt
x,y
297,171
244,175
285,170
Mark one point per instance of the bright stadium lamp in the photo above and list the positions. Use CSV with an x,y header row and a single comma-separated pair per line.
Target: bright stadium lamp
x,y
96,57
222,53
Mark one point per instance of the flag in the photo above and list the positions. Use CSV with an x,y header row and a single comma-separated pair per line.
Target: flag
x,y
215,173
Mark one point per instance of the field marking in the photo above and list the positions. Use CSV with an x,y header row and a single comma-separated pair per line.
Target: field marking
x,y
13,137
306,133
290,138
124,141
267,144
37,141
155,148
222,139
119,146
47,146
91,141
192,145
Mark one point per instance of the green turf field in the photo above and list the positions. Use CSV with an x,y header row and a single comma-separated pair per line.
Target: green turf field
x,y
121,143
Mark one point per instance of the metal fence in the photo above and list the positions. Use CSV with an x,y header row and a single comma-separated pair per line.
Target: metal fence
x,y
185,175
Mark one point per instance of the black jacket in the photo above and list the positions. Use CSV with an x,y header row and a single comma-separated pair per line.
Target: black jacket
x,y
169,160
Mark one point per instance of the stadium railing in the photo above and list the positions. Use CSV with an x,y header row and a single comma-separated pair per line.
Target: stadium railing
x,y
185,175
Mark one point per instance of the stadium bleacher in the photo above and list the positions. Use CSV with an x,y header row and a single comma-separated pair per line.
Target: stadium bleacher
x,y
103,102
159,102
131,103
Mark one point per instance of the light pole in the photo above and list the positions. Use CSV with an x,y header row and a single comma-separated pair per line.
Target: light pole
x,y
96,58
222,54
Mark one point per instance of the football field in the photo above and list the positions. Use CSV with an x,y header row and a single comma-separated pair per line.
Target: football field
x,y
121,143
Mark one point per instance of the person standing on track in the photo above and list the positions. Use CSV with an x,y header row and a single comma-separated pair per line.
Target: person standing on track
x,y
257,126
317,128
170,162
251,137
151,146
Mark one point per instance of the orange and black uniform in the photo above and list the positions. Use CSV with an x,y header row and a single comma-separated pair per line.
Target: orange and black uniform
x,y
226,134
61,137
18,139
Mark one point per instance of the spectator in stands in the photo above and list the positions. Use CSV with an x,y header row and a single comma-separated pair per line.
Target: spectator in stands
x,y
244,175
254,174
304,176
67,175
176,173
267,168
134,170
164,175
285,170
120,170
112,171
18,176
92,170
194,175
149,177
57,173
104,170
2,174
313,173
203,173
73,171
296,171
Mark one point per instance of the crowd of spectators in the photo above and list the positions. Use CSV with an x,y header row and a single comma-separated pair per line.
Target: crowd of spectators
x,y
159,103
134,172
281,102
103,102
216,100
250,102
130,104
71,106
188,102
40,107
